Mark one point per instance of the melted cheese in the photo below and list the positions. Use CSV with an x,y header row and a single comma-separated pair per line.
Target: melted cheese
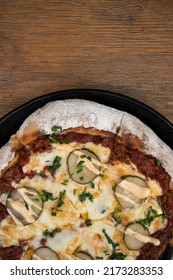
x,y
71,218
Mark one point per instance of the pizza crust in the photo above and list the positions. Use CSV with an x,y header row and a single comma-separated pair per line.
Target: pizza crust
x,y
73,113
151,143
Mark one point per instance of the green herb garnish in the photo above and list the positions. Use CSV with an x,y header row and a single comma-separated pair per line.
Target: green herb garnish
x,y
56,164
53,140
51,233
47,196
65,182
36,199
117,256
81,178
80,166
26,205
88,222
92,185
53,214
84,195
101,175
56,129
103,211
64,141
99,258
10,178
74,191
151,216
60,199
110,241
158,162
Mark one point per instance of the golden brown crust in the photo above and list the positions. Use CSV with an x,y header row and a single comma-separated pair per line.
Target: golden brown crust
x,y
91,131
29,134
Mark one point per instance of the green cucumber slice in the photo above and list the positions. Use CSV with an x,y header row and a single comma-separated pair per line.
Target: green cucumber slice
x,y
131,238
24,205
83,255
44,253
83,166
131,198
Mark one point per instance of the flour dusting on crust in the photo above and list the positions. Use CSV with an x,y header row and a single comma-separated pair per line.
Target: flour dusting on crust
x,y
72,113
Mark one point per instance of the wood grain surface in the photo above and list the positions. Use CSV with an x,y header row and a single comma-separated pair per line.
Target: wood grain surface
x,y
123,46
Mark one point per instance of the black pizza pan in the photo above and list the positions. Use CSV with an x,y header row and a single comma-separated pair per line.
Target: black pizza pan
x,y
11,122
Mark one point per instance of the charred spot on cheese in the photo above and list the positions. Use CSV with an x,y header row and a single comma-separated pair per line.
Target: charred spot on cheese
x,y
136,235
83,166
44,253
24,205
131,191
83,255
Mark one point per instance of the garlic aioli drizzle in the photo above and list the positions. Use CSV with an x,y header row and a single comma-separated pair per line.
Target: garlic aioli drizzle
x,y
18,205
36,257
20,208
134,189
17,221
143,238
139,236
89,164
127,199
23,192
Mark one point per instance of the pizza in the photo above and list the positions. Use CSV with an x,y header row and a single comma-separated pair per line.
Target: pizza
x,y
80,180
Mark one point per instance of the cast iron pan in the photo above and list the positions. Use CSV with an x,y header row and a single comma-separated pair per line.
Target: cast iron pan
x,y
11,122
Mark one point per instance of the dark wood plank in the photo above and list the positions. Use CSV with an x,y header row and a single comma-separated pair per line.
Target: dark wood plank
x,y
123,46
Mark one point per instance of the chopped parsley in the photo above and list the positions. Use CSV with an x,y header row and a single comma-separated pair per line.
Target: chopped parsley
x,y
158,162
56,129
117,220
26,205
106,253
99,258
81,178
65,182
88,222
10,178
47,196
110,241
51,233
74,191
80,166
101,175
92,185
70,175
117,256
60,199
53,214
151,216
103,211
64,141
84,195
56,164
53,140
36,199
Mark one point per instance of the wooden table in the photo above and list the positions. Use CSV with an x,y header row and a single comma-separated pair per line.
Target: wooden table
x,y
123,46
